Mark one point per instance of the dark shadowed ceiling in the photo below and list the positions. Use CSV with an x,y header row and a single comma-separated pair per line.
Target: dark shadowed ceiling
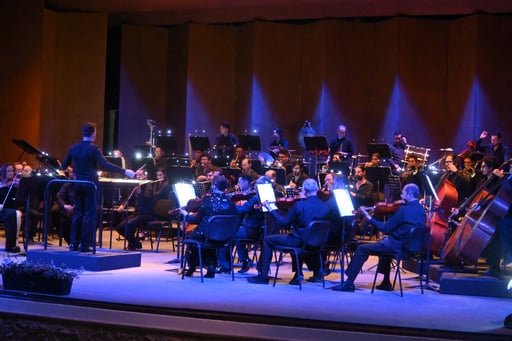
x,y
169,12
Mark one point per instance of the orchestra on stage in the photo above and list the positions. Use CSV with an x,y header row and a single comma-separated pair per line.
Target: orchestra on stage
x,y
465,195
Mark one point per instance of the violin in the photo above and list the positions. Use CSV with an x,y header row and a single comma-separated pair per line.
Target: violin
x,y
239,198
380,209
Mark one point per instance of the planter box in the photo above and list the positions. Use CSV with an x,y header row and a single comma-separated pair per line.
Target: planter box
x,y
39,284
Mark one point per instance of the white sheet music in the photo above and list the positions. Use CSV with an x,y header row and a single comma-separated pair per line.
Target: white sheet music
x,y
184,193
266,193
344,202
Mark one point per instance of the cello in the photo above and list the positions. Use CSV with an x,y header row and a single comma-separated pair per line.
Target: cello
x,y
477,227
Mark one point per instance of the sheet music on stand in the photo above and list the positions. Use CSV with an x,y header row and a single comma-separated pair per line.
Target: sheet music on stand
x,y
184,192
266,193
202,187
344,202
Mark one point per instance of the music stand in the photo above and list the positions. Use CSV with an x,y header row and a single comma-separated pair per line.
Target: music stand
x,y
340,167
346,208
249,142
183,193
316,143
201,143
168,143
381,148
378,176
266,194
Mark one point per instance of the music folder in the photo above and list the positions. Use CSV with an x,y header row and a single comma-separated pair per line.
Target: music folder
x,y
266,193
344,202
184,193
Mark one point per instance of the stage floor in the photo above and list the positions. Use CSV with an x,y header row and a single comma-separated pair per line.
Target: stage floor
x,y
156,290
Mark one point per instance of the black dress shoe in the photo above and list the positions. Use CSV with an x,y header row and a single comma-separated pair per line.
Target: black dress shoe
x,y
347,287
258,279
210,273
190,272
86,249
296,279
386,286
219,269
315,278
246,266
73,247
15,249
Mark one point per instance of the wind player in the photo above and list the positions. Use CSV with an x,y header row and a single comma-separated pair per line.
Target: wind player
x,y
86,158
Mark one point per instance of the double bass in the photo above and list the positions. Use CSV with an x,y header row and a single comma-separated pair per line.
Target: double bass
x,y
448,196
475,231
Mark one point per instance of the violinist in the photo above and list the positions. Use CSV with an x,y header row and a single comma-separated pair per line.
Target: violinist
x,y
410,214
251,227
145,198
8,215
298,218
214,204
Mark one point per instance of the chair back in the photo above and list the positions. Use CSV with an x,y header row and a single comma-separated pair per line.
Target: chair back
x,y
316,233
416,240
162,207
221,228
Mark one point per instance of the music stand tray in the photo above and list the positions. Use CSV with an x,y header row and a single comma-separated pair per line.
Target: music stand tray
x,y
381,148
201,143
249,142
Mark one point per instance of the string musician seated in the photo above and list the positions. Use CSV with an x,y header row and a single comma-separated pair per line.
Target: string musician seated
x,y
251,227
146,196
451,173
8,215
214,204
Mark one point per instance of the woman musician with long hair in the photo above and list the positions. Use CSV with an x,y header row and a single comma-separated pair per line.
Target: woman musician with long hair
x,y
8,215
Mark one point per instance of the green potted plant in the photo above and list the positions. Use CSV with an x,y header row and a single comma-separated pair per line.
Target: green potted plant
x,y
37,277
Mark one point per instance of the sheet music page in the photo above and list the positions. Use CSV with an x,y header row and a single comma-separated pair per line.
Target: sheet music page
x,y
184,193
344,202
266,193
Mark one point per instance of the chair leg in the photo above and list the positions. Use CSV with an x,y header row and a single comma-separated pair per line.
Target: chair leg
x,y
320,258
277,267
200,262
398,269
299,270
232,259
375,281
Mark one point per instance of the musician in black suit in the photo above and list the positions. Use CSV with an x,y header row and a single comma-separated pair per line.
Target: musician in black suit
x,y
86,158
341,144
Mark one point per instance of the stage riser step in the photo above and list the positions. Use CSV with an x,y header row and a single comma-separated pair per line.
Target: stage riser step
x,y
102,260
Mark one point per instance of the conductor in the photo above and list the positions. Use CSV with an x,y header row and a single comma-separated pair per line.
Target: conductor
x,y
86,158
